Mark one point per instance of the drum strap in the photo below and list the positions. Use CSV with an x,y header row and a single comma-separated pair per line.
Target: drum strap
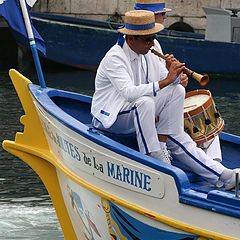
x,y
195,129
205,113
190,119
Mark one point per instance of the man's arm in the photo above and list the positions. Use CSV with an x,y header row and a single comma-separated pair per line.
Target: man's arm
x,y
118,72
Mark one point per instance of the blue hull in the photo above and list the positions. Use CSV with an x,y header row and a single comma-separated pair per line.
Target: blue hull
x,y
83,43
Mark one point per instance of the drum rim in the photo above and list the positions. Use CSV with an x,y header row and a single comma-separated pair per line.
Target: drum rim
x,y
198,110
210,136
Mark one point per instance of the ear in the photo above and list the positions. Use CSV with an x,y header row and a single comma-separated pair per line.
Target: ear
x,y
130,39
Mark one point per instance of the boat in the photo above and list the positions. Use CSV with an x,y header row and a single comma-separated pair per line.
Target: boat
x,y
82,43
102,187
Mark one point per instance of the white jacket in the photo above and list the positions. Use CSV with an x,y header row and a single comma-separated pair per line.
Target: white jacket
x,y
114,83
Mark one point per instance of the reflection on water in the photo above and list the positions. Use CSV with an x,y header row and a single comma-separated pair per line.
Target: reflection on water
x,y
23,221
26,211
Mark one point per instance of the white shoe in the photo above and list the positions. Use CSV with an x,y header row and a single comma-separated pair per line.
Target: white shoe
x,y
231,183
163,155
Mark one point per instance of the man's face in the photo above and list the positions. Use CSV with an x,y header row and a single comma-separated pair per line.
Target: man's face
x,y
160,17
142,44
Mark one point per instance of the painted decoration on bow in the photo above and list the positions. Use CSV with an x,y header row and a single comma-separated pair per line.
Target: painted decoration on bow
x,y
125,227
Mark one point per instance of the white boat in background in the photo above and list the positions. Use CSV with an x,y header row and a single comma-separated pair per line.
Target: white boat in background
x,y
102,187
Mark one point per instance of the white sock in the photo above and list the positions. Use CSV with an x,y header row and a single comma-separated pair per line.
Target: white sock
x,y
226,174
163,145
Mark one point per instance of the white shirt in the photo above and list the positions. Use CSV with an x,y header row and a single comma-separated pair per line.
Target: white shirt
x,y
158,47
117,81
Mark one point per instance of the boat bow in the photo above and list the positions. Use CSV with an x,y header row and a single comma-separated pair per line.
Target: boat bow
x,y
31,146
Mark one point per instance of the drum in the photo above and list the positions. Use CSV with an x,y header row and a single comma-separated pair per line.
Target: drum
x,y
202,121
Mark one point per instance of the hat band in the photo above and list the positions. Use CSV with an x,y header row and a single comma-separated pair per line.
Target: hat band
x,y
154,7
139,27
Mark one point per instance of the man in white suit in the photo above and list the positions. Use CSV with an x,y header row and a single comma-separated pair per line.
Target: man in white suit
x,y
158,7
159,10
135,92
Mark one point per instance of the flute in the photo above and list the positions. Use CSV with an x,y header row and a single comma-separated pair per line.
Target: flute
x,y
202,79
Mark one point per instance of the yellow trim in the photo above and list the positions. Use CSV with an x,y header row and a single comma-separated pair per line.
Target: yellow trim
x,y
33,137
43,153
106,207
47,172
163,219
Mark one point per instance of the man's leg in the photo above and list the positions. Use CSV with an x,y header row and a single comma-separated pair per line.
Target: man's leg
x,y
139,117
169,110
184,149
212,148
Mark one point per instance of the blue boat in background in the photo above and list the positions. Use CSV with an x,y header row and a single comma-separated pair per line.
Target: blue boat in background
x,y
82,43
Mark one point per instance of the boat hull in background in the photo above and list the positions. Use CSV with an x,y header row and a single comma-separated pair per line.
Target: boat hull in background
x,y
83,43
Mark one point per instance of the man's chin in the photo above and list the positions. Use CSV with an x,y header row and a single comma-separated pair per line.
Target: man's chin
x,y
145,52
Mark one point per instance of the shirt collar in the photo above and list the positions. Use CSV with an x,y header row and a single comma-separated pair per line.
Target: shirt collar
x,y
132,55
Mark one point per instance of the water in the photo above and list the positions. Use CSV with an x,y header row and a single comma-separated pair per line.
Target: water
x,y
26,211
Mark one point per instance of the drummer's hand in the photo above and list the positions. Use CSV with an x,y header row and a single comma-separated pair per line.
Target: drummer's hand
x,y
169,59
184,80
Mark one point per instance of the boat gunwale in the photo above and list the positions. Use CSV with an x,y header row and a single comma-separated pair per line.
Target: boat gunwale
x,y
108,25
45,95
186,194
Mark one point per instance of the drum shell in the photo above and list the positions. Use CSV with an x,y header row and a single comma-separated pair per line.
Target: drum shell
x,y
197,118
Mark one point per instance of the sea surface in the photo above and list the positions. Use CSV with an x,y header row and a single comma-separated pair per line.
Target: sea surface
x,y
26,211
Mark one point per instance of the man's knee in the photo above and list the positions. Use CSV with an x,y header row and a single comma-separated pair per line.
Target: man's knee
x,y
180,91
146,102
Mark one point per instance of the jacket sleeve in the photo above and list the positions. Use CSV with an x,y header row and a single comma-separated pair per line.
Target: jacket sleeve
x,y
117,72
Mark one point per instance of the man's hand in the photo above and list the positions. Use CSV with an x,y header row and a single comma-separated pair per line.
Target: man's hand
x,y
184,80
169,59
176,68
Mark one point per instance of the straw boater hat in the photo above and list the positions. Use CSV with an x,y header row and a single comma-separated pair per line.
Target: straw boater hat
x,y
156,6
140,22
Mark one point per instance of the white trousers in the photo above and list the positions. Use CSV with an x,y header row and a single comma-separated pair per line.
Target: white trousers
x,y
185,150
140,117
212,148
167,107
